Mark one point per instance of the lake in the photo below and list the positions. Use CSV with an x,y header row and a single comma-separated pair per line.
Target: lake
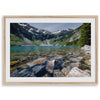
x,y
33,58
41,51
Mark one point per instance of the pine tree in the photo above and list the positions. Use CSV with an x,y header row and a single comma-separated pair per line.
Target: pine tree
x,y
85,38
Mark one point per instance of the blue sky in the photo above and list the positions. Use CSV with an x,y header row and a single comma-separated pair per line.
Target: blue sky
x,y
55,26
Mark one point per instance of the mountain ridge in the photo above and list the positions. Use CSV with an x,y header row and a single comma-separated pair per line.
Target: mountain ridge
x,y
25,34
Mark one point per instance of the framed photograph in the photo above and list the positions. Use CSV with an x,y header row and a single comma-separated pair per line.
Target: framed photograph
x,y
50,50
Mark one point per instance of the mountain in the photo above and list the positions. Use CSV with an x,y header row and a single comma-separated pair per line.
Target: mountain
x,y
25,34
62,31
56,32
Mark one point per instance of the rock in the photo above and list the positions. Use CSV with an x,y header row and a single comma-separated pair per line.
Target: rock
x,y
32,75
83,67
46,75
58,57
25,73
77,64
26,67
88,62
70,53
88,71
37,61
76,72
86,48
22,71
68,57
14,74
67,62
50,66
14,62
58,64
87,52
65,71
75,54
58,73
80,58
38,69
74,60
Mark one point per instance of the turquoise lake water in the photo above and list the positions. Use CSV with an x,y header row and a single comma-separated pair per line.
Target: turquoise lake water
x,y
42,51
16,49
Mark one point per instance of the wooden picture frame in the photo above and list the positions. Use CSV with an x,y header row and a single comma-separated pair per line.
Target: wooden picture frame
x,y
13,19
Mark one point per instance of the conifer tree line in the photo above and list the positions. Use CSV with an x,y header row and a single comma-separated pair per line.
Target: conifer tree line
x,y
85,38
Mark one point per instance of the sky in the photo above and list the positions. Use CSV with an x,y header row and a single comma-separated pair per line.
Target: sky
x,y
55,26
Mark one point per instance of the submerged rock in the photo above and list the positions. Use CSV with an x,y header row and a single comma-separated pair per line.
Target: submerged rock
x,y
14,74
77,64
37,61
58,73
74,59
76,72
22,71
67,62
14,62
38,70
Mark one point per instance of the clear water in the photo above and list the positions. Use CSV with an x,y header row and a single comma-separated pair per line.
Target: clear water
x,y
20,56
41,51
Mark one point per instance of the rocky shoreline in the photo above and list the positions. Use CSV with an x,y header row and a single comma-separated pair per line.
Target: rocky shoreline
x,y
70,65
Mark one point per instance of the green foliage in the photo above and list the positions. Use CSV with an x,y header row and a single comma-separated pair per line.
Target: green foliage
x,y
23,32
15,38
78,37
85,38
61,39
13,43
37,42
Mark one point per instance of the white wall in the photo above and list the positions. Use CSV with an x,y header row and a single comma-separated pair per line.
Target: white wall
x,y
47,7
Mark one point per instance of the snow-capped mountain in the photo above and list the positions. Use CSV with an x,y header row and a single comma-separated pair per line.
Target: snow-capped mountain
x,y
56,32
24,33
32,29
62,31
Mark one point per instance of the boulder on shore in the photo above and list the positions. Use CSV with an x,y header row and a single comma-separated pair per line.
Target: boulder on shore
x,y
50,66
65,71
76,72
86,49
